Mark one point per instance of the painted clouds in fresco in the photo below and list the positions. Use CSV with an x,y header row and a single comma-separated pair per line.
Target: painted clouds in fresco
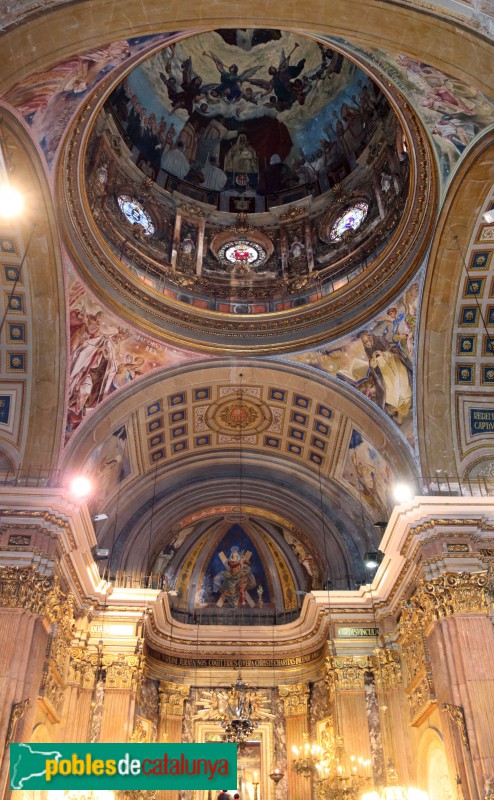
x,y
47,100
378,359
454,112
369,473
105,355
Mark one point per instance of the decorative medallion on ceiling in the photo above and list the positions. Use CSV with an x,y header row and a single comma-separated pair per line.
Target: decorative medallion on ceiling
x,y
278,182
239,414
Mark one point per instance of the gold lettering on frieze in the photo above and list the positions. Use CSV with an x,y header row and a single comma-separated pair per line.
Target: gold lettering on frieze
x,y
295,699
237,663
172,698
354,633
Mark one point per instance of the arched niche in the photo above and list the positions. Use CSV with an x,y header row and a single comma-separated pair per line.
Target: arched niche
x,y
433,772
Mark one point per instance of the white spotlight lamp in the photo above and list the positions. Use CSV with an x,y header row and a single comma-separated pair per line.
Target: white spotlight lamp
x,y
402,492
488,216
81,487
11,202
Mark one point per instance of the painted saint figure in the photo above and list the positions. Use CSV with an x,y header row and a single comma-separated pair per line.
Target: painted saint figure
x,y
391,371
236,579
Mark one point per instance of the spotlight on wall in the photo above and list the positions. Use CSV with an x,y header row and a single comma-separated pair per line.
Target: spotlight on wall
x,y
11,202
100,517
100,553
488,216
402,492
80,486
373,559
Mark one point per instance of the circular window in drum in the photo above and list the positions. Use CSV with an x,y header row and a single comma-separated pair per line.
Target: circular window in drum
x,y
350,220
135,212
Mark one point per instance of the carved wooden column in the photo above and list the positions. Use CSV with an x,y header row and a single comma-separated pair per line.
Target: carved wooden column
x,y
171,711
296,705
454,612
123,673
81,679
346,676
31,605
172,698
393,711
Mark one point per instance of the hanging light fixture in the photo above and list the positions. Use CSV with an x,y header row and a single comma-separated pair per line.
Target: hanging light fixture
x,y
343,777
308,758
237,719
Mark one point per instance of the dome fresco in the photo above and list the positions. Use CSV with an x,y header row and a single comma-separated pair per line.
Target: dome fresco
x,y
252,173
251,100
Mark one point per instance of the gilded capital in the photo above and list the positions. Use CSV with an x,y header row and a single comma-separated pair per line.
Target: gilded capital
x,y
27,589
295,699
346,672
122,672
349,672
451,593
172,698
83,666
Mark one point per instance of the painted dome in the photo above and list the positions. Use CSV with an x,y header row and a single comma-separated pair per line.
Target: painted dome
x,y
255,173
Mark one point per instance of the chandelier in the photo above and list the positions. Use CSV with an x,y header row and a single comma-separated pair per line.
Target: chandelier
x,y
307,759
237,721
343,777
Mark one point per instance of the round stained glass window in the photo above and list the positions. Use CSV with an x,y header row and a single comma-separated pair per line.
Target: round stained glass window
x,y
350,220
135,212
242,250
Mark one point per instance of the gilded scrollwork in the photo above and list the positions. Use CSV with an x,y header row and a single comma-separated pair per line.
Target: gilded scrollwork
x,y
83,667
122,672
451,593
295,699
457,715
16,713
39,594
346,673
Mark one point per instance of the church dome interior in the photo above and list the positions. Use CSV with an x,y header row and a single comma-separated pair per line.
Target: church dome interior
x,y
246,391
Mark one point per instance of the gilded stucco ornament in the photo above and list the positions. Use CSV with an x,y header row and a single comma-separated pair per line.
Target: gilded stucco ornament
x,y
295,699
37,593
345,673
172,699
17,711
457,715
451,593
